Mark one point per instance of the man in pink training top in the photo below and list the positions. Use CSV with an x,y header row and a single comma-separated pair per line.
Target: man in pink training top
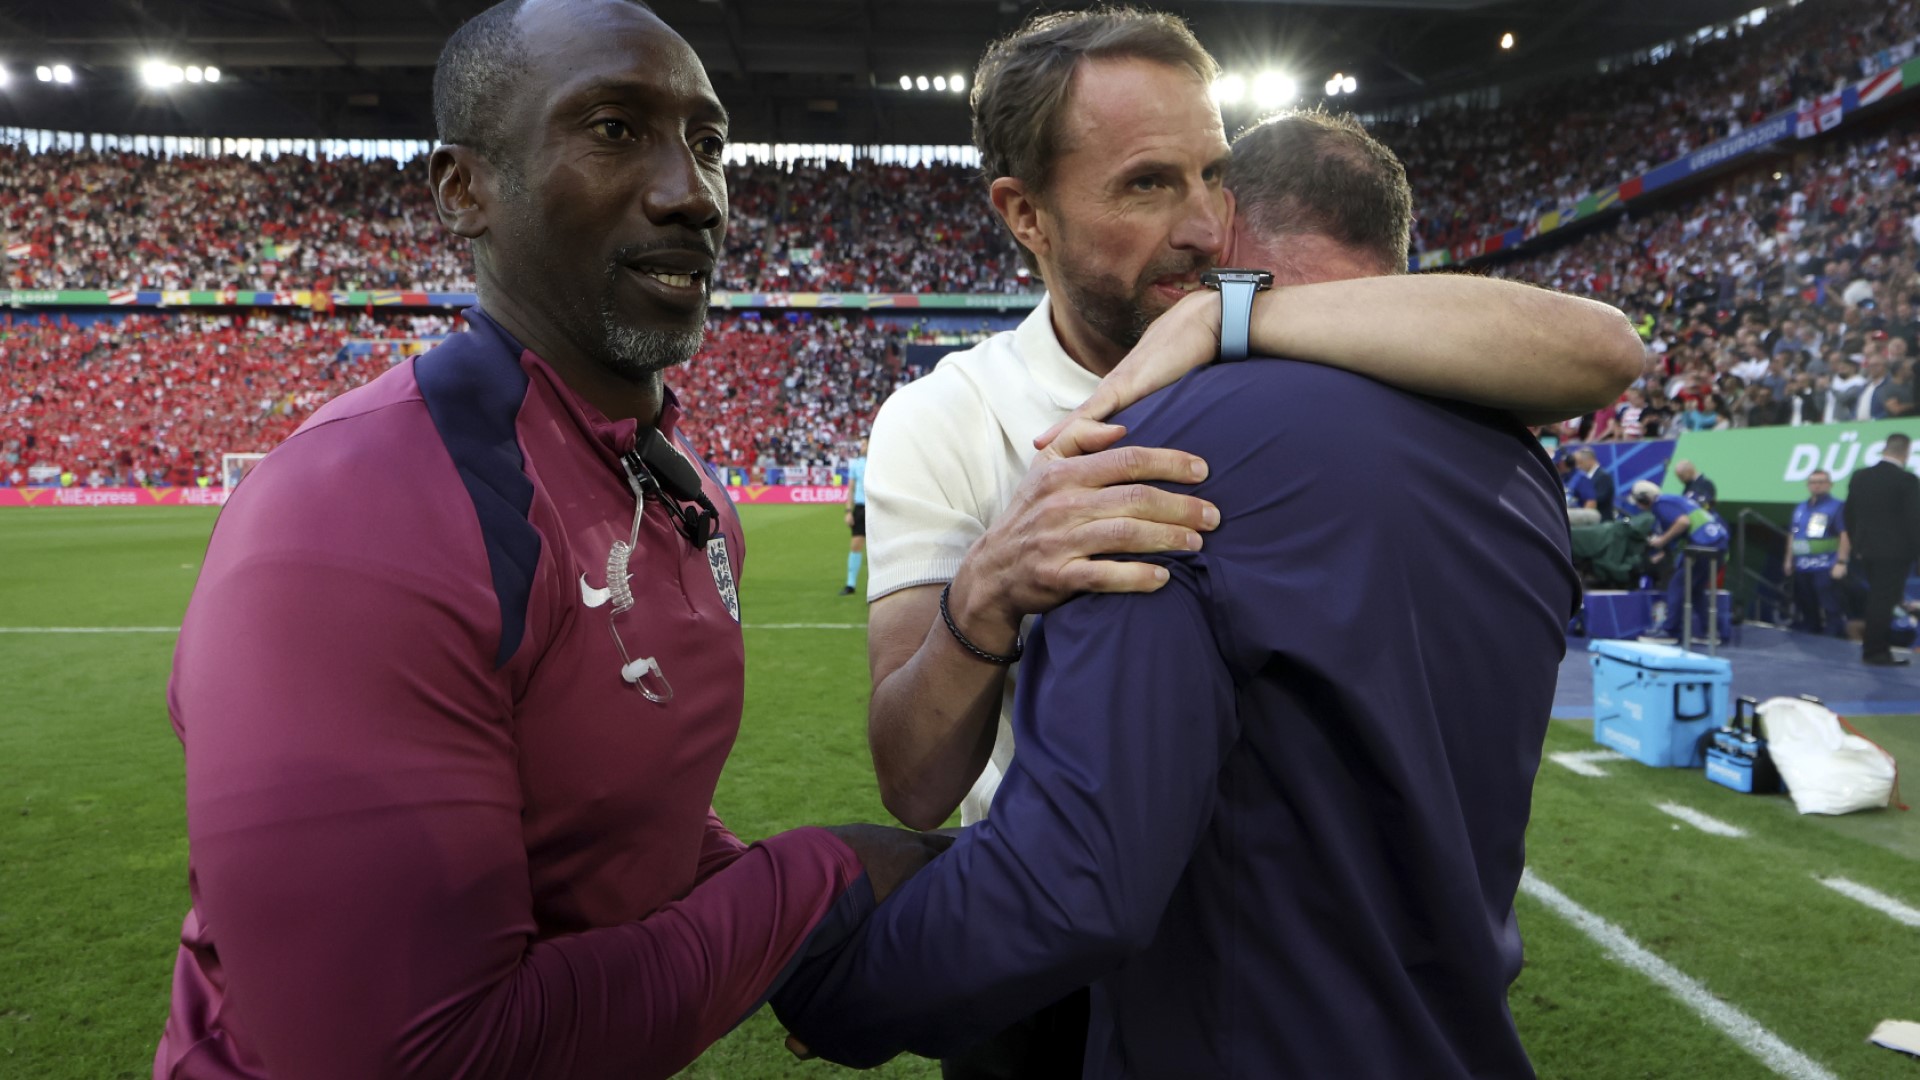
x,y
458,679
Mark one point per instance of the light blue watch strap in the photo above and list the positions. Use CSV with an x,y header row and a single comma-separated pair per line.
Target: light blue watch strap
x,y
1236,318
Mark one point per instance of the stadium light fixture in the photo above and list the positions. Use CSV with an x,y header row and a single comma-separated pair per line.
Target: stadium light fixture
x,y
160,74
5,76
43,73
194,74
62,73
1272,89
906,82
956,83
213,73
1506,41
939,82
1229,89
920,83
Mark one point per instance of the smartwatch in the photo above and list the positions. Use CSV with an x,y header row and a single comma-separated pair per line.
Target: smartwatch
x,y
1236,289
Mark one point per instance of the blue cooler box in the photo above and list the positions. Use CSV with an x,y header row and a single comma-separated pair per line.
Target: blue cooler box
x,y
1657,704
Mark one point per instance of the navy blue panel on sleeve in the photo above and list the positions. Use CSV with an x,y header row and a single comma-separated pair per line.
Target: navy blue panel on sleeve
x,y
474,386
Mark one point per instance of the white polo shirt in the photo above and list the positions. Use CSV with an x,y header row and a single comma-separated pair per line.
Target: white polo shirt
x,y
947,452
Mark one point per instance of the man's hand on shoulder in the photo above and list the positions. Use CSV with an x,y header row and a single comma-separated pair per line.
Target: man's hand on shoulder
x,y
1082,498
890,856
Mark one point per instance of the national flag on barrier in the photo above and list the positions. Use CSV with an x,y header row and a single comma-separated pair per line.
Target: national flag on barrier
x,y
1609,199
1830,112
25,251
1879,86
123,297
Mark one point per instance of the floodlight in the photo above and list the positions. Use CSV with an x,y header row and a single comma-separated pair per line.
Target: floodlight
x,y
1332,87
153,73
213,74
5,78
1271,89
920,83
1350,84
1506,41
956,83
194,74
939,82
62,73
906,82
1229,89
43,73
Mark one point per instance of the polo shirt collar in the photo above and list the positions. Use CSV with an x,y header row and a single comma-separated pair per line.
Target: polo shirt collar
x,y
1065,382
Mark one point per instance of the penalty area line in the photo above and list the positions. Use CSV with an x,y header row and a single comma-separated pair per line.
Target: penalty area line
x,y
1744,1030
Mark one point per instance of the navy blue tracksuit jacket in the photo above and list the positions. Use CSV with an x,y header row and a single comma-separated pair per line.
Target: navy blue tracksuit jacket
x,y
1274,812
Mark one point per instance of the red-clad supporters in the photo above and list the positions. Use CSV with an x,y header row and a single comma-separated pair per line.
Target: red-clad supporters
x,y
158,398
85,219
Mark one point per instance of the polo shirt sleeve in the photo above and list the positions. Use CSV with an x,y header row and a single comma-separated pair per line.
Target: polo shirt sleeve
x,y
926,501
1125,716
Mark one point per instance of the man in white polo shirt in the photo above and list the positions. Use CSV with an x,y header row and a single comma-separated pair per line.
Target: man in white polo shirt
x,y
1109,162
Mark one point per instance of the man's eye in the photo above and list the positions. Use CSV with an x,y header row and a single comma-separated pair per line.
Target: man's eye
x,y
711,145
1146,183
612,129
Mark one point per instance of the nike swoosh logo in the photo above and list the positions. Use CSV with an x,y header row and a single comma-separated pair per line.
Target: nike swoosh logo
x,y
591,596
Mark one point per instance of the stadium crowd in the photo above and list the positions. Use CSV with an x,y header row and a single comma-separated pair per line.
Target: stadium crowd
x,y
105,219
157,399
1478,171
1789,294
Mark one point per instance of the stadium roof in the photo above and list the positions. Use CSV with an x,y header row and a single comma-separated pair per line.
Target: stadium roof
x,y
822,71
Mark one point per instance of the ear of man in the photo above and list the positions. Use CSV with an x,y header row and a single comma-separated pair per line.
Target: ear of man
x,y
1021,211
462,186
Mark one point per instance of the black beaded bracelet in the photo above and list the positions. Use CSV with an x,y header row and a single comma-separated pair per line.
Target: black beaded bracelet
x,y
954,629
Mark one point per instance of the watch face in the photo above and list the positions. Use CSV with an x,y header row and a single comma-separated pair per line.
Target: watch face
x,y
1260,279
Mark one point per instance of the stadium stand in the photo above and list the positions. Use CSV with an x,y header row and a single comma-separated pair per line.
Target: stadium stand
x,y
1764,298
1477,171
87,219
1775,296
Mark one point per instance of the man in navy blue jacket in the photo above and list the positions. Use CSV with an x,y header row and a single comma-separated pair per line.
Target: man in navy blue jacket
x,y
1274,812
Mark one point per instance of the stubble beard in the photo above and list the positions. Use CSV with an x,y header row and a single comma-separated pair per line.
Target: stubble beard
x,y
637,354
1112,310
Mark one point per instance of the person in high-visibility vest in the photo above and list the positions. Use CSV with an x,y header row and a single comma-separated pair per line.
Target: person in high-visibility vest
x,y
1817,557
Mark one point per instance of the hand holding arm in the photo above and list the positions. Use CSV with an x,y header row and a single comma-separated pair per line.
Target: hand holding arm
x,y
934,711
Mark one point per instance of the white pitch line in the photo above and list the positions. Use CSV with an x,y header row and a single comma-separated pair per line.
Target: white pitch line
x,y
1582,761
1873,898
1704,822
806,626
1744,1030
89,629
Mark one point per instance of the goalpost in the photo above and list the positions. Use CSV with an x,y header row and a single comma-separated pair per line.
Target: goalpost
x,y
235,467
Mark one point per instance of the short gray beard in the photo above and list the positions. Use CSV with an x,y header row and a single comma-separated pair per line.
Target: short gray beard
x,y
635,355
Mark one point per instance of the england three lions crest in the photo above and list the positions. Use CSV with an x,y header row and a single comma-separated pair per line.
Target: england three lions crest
x,y
723,575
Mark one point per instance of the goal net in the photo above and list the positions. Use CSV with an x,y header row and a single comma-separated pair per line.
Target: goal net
x,y
235,467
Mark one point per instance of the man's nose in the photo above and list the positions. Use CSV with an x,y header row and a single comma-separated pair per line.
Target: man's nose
x,y
680,192
1203,222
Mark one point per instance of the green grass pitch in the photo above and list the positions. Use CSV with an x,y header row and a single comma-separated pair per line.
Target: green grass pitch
x,y
93,848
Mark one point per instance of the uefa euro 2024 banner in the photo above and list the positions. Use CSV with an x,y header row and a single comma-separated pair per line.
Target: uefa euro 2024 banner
x,y
1771,464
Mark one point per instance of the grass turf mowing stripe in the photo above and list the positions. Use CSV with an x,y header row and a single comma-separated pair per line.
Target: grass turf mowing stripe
x,y
1706,823
1875,899
1741,1028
